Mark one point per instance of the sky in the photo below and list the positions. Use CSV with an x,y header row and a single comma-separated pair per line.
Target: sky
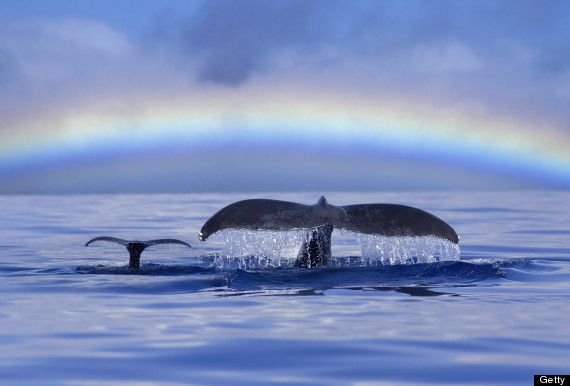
x,y
253,95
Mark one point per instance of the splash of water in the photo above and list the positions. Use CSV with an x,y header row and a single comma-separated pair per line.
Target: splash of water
x,y
244,249
380,250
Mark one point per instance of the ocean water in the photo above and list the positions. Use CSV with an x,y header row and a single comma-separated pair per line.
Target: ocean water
x,y
233,311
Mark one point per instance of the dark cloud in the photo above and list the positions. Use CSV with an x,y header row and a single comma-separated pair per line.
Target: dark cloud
x,y
236,38
507,56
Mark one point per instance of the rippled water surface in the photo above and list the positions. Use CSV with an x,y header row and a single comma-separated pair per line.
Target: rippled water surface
x,y
233,310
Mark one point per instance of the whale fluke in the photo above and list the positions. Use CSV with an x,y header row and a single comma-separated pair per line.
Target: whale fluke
x,y
136,247
321,218
109,239
260,214
272,215
380,219
395,220
150,243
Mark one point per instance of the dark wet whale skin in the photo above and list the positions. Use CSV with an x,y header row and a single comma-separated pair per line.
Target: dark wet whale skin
x,y
322,218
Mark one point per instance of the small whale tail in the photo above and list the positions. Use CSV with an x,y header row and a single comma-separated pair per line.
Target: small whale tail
x,y
136,247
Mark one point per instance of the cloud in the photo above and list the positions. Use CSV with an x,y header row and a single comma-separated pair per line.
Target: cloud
x,y
51,51
235,39
51,66
491,55
500,55
44,63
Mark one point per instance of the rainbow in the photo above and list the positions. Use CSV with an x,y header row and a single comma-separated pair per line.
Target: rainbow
x,y
289,116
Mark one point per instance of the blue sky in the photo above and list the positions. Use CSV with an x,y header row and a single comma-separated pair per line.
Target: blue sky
x,y
504,62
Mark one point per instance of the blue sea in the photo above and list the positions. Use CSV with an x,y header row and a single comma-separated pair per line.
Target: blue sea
x,y
233,310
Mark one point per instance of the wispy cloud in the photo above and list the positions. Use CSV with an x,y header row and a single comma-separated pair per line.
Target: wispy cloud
x,y
504,55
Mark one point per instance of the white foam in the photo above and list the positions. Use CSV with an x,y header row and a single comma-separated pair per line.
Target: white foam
x,y
257,249
379,250
246,249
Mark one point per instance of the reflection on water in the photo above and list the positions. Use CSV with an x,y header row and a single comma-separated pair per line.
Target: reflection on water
x,y
412,291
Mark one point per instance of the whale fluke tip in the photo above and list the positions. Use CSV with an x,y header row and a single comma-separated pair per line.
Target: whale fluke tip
x,y
107,239
165,241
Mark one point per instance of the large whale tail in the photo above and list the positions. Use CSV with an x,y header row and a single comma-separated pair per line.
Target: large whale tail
x,y
136,247
321,218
